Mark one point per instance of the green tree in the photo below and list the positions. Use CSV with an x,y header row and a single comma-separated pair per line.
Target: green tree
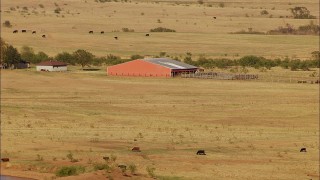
x,y
11,56
65,57
83,57
301,13
40,56
27,54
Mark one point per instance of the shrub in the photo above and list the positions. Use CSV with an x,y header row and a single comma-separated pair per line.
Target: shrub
x,y
127,30
133,168
57,10
221,4
7,24
301,13
150,171
162,29
70,171
136,56
41,5
101,167
264,12
65,57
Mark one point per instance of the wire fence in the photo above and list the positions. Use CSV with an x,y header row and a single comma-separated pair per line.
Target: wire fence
x,y
254,77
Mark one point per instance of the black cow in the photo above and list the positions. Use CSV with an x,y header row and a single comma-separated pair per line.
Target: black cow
x,y
23,30
34,32
15,31
5,159
90,32
147,34
116,38
201,152
303,150
214,17
43,36
106,158
102,32
136,149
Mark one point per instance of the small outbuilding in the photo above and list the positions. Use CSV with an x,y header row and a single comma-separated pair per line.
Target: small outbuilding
x,y
52,66
156,67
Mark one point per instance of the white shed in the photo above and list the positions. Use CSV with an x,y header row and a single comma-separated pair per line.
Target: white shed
x,y
52,66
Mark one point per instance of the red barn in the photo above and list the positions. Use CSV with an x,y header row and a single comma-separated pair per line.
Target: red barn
x,y
157,67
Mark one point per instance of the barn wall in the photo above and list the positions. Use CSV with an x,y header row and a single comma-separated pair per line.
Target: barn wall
x,y
51,68
138,68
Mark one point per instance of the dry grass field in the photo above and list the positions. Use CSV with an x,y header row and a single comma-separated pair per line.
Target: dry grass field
x,y
197,31
250,130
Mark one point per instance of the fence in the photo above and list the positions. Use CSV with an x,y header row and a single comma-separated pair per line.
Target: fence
x,y
254,77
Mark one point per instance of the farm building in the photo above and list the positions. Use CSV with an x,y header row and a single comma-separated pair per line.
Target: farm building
x,y
52,66
157,67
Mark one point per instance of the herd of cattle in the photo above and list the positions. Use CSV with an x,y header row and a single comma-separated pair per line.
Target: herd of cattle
x,y
44,36
25,31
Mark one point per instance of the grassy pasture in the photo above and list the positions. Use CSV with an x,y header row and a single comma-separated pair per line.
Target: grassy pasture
x,y
250,130
197,31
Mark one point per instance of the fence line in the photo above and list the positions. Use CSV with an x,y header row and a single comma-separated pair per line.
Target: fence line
x,y
255,77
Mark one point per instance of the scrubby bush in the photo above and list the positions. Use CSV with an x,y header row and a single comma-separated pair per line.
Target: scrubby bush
x,y
65,57
264,12
127,30
101,167
150,171
70,171
136,56
133,168
7,24
162,29
301,13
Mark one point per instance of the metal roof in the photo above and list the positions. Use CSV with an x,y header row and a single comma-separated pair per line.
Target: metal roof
x,y
52,63
169,63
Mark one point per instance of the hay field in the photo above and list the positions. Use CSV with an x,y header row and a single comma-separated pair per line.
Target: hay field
x,y
250,130
197,31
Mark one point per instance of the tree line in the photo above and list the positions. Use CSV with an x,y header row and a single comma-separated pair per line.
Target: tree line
x,y
257,62
10,56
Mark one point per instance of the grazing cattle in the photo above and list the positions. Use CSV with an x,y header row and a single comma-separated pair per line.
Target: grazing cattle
x,y
5,159
34,32
147,34
116,38
201,152
43,36
303,150
136,149
106,158
102,32
317,81
15,31
90,32
214,17
23,30
302,81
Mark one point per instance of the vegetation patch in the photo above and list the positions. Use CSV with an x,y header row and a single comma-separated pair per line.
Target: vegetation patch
x,y
162,29
70,171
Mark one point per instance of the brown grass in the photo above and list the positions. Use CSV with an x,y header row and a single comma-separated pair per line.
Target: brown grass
x,y
250,130
197,31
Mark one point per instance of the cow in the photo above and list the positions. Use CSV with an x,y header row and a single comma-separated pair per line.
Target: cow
x,y
34,32
214,17
136,149
317,81
303,150
147,34
15,31
102,32
201,152
43,36
116,38
23,30
90,32
5,159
